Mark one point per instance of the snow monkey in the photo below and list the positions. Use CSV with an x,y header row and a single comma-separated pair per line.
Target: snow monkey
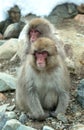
x,y
43,82
36,28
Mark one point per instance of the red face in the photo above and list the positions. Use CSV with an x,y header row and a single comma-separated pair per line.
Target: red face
x,y
34,34
41,58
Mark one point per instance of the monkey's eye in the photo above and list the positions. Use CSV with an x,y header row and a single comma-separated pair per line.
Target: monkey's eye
x,y
45,52
35,52
36,30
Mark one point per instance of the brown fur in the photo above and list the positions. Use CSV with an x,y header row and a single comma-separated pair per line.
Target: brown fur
x,y
43,92
46,29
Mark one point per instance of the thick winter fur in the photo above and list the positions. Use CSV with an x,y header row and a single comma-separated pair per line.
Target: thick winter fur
x,y
46,29
43,90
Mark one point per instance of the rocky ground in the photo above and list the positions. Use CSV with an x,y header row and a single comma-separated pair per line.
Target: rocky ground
x,y
70,31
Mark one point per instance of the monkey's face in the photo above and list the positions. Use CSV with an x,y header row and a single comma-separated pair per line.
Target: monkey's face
x,y
38,28
33,35
41,59
43,52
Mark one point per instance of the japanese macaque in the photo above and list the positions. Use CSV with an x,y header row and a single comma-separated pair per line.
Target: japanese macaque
x,y
37,27
43,82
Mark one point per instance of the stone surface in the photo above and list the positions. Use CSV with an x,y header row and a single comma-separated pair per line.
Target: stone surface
x,y
14,124
7,82
78,127
79,18
47,128
80,93
2,97
8,49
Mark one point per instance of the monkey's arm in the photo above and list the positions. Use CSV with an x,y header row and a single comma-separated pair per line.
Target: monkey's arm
x,y
63,101
34,105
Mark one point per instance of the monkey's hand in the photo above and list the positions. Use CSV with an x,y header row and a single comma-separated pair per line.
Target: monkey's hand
x,y
40,117
55,114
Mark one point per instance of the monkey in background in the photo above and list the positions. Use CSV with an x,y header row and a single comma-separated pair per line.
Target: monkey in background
x,y
37,27
43,82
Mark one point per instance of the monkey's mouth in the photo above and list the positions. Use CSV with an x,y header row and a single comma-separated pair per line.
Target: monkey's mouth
x,y
41,65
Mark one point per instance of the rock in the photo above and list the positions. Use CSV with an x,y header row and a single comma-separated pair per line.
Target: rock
x,y
3,108
74,108
7,82
3,116
11,125
3,119
14,124
11,115
80,93
13,30
2,42
47,128
62,11
23,118
79,18
54,124
78,114
75,57
77,127
2,97
62,117
8,49
11,108
80,8
1,36
75,63
70,65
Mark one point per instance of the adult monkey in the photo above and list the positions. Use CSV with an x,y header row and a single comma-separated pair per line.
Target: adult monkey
x,y
43,82
37,27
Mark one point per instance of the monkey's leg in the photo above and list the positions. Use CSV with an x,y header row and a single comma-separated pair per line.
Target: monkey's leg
x,y
34,105
62,104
